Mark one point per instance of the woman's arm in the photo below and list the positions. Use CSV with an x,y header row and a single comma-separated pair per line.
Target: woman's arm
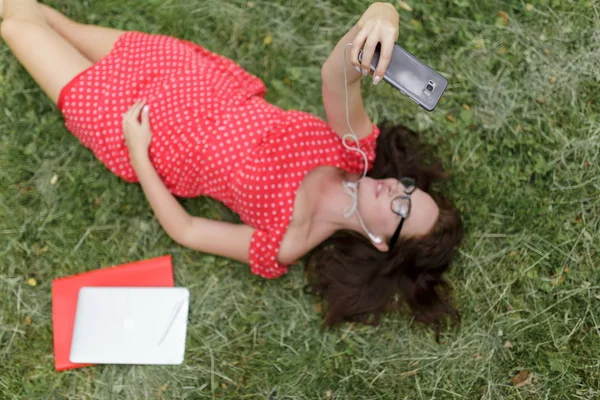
x,y
379,24
209,236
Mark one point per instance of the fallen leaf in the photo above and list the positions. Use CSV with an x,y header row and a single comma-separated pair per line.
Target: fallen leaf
x,y
519,128
329,394
523,378
597,296
558,280
250,4
477,356
553,80
408,373
502,50
540,100
451,118
547,52
466,107
45,249
528,7
417,24
318,308
479,44
567,269
404,6
268,39
504,17
586,164
32,282
27,320
513,253
97,201
223,386
54,179
164,387
24,189
508,345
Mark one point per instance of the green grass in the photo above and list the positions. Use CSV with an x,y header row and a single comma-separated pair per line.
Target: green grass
x,y
523,149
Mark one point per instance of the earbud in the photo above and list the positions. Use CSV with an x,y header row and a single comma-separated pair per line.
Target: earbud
x,y
374,239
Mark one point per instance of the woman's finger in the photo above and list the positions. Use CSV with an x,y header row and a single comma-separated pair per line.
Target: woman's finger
x,y
357,45
385,55
146,117
136,109
368,51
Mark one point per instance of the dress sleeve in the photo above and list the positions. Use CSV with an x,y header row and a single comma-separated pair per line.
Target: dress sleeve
x,y
353,161
264,248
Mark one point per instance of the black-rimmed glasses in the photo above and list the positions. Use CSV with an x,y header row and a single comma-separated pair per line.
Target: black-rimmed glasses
x,y
401,206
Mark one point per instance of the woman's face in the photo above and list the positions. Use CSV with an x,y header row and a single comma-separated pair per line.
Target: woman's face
x,y
375,198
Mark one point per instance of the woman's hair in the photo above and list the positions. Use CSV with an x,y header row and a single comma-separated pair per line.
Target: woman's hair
x,y
360,282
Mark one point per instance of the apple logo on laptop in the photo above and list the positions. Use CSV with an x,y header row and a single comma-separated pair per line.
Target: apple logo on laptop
x,y
128,324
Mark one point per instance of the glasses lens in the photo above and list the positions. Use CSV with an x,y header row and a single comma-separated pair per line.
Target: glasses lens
x,y
401,206
409,184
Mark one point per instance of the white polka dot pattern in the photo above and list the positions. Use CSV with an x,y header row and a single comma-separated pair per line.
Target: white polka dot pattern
x,y
213,133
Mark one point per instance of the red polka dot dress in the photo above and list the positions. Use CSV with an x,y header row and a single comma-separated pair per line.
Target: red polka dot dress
x,y
213,134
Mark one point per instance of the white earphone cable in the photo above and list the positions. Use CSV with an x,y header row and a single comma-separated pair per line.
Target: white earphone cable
x,y
351,188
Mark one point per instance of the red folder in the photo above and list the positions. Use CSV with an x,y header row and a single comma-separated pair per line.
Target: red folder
x,y
154,272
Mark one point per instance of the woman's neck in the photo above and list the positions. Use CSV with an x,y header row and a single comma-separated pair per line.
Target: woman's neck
x,y
332,203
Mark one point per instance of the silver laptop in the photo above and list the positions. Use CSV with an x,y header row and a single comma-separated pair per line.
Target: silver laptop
x,y
130,325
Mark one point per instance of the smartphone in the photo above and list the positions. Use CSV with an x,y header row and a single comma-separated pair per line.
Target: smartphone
x,y
412,77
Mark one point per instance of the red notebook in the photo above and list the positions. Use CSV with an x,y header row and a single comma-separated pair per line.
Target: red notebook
x,y
153,272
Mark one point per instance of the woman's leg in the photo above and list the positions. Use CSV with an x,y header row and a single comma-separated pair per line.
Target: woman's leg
x,y
50,59
92,41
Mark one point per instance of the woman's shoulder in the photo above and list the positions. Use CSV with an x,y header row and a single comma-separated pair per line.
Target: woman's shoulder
x,y
305,230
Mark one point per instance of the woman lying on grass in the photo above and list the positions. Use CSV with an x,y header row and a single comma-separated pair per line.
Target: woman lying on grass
x,y
183,121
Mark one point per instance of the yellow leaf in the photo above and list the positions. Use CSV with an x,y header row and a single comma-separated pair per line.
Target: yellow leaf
x,y
268,39
404,6
54,179
522,378
529,7
32,282
479,44
504,17
553,80
466,107
27,320
416,24
508,345
408,373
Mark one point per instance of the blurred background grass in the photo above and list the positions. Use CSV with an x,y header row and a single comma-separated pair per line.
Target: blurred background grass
x,y
518,128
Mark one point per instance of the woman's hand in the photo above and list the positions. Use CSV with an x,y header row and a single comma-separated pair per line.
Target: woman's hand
x,y
379,24
137,134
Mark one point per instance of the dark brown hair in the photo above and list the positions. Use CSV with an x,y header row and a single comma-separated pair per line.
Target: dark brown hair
x,y
358,281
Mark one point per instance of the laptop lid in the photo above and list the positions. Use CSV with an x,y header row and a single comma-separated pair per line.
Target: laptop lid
x,y
130,325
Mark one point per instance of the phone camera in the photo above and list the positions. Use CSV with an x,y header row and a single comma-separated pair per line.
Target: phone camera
x,y
429,87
